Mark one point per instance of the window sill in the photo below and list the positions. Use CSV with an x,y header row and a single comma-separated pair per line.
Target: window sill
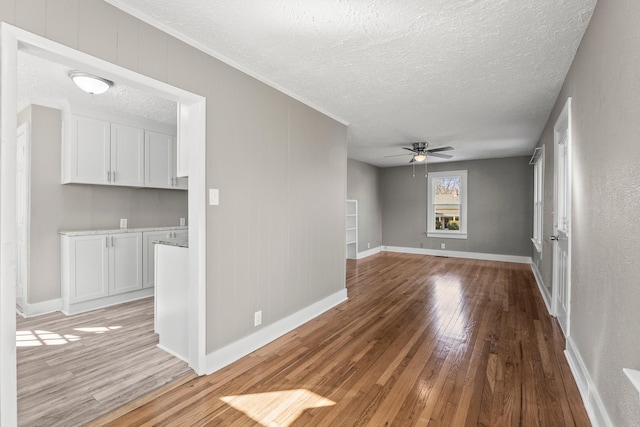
x,y
446,235
538,245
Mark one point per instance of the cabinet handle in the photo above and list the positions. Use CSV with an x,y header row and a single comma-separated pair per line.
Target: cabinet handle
x,y
108,176
111,241
113,175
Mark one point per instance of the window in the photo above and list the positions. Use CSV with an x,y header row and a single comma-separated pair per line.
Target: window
x,y
447,204
538,193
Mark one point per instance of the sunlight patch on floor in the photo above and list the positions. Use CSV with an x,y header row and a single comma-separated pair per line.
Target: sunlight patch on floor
x,y
39,337
277,408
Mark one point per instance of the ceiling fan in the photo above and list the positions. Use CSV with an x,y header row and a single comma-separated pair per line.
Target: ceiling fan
x,y
420,152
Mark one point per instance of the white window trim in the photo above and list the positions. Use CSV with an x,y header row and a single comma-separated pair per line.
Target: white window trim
x,y
538,201
447,234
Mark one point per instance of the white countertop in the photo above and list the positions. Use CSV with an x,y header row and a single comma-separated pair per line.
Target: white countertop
x,y
182,242
118,230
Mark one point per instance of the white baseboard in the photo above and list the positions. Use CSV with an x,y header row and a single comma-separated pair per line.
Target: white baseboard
x,y
171,352
546,297
81,307
459,254
236,350
40,308
590,397
369,252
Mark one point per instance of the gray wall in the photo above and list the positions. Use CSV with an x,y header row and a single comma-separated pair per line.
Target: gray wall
x,y
363,185
276,242
500,200
605,272
56,207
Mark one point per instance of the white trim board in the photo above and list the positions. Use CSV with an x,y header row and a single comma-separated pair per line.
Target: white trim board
x,y
590,396
369,252
546,297
40,308
238,349
459,254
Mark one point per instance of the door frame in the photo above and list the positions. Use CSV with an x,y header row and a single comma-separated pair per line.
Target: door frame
x,y
24,233
191,127
563,124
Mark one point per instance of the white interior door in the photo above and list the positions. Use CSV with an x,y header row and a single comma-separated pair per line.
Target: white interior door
x,y
23,156
562,219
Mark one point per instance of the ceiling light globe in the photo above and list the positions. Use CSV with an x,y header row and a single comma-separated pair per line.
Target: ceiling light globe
x,y
420,157
91,84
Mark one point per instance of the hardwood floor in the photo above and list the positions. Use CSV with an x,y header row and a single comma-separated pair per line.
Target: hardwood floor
x,y
72,369
422,340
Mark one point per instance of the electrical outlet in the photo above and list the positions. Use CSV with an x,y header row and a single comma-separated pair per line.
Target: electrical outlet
x,y
368,245
257,318
182,222
442,245
123,222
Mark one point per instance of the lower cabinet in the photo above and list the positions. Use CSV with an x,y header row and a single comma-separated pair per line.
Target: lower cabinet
x,y
99,270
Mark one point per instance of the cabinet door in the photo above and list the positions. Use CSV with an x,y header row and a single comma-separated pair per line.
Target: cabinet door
x,y
89,145
148,256
88,267
125,262
127,156
159,149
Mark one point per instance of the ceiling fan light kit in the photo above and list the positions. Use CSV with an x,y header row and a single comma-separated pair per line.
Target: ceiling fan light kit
x,y
420,154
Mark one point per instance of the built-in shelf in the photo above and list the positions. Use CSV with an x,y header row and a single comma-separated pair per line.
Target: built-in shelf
x,y
634,377
352,229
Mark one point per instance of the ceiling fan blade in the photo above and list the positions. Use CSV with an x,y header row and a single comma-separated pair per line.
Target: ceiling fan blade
x,y
435,150
444,156
410,149
413,160
398,155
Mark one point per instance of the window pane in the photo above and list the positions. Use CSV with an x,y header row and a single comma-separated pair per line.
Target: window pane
x,y
446,190
447,217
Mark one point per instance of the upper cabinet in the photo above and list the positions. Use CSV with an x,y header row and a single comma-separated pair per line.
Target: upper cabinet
x,y
161,161
127,156
99,151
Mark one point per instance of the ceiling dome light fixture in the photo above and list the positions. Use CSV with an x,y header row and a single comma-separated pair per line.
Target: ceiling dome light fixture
x,y
89,83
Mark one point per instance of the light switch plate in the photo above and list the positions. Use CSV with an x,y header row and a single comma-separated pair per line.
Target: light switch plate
x,y
214,197
123,223
182,222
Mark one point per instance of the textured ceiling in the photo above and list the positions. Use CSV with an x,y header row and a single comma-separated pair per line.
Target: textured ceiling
x,y
479,75
46,82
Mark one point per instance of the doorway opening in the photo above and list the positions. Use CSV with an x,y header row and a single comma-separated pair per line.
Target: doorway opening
x,y
191,129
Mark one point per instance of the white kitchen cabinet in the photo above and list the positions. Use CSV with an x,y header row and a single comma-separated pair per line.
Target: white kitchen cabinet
x,y
85,268
127,156
125,262
100,152
100,270
161,161
87,151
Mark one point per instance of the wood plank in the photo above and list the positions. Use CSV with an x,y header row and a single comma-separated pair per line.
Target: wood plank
x,y
422,340
83,366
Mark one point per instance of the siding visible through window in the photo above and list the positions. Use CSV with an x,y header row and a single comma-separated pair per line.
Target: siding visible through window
x,y
447,204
